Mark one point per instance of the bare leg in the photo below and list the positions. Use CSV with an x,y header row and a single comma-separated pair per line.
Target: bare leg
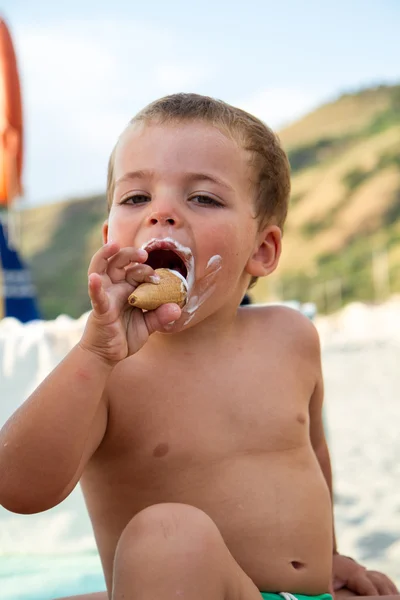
x,y
173,550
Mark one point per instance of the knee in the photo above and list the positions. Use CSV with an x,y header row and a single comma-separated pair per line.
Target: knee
x,y
174,525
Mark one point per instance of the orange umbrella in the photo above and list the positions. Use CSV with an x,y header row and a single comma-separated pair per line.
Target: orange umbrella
x,y
11,127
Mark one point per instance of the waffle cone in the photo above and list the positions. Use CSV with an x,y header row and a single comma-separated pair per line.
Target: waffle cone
x,y
149,296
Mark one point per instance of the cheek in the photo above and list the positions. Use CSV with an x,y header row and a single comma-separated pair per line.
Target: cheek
x,y
119,228
222,238
217,242
232,245
222,258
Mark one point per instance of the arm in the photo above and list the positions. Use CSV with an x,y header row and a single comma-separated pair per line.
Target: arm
x,y
317,433
348,576
46,444
48,440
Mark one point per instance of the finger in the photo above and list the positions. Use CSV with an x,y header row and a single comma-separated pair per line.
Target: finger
x,y
378,582
99,262
394,589
139,273
98,297
383,584
161,318
383,587
117,265
362,586
129,255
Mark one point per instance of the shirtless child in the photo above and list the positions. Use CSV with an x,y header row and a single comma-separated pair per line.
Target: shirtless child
x,y
196,433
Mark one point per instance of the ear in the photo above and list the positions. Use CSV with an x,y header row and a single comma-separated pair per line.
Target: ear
x,y
265,257
104,232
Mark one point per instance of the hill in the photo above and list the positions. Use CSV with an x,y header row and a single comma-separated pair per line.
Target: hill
x,y
342,238
58,241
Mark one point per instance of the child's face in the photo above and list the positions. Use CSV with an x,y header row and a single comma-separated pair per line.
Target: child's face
x,y
189,185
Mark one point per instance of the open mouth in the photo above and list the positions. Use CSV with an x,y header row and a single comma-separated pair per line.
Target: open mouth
x,y
169,254
166,259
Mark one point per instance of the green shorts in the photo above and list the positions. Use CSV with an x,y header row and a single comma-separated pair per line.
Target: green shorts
x,y
287,596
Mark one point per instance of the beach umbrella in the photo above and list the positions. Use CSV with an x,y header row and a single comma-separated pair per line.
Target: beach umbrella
x,y
11,122
17,293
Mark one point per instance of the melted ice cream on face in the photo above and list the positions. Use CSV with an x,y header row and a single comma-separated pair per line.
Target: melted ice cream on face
x,y
215,262
204,288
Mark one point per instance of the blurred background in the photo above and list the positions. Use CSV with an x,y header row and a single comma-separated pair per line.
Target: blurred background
x,y
326,77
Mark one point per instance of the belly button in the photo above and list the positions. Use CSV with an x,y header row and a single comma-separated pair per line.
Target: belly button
x,y
297,565
161,450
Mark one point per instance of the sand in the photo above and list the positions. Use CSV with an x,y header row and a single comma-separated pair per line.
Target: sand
x,y
361,362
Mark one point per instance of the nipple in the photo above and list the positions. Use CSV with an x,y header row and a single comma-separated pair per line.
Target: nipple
x,y
297,564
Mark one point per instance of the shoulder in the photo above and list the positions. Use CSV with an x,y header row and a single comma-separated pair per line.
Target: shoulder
x,y
281,322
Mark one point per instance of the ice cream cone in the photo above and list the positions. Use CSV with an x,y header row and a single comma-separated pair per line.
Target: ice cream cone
x,y
149,296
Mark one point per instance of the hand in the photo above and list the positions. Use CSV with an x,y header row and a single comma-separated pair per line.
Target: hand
x,y
347,573
115,329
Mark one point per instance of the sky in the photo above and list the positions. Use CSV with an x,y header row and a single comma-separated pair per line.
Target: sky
x,y
87,66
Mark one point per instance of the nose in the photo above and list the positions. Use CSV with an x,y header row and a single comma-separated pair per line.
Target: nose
x,y
165,214
161,219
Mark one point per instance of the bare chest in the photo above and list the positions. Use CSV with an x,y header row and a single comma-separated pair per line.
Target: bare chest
x,y
192,414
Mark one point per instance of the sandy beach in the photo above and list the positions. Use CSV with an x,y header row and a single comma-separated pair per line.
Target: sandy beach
x,y
360,351
361,359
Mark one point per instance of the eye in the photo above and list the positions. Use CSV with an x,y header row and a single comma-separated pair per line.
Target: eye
x,y
136,199
204,200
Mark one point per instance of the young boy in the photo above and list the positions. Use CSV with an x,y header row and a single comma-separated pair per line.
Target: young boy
x,y
195,432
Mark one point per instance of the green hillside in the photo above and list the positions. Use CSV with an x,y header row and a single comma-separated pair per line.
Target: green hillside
x,y
58,241
342,239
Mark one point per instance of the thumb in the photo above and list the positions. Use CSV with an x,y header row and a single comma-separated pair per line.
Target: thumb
x,y
157,320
